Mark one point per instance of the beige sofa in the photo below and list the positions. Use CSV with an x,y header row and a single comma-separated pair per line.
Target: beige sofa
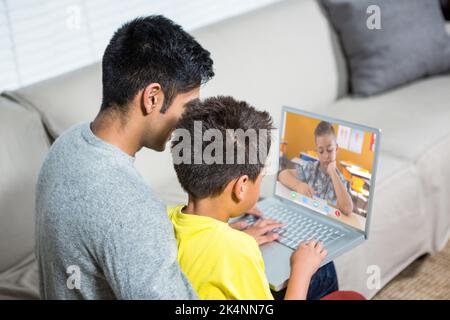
x,y
284,54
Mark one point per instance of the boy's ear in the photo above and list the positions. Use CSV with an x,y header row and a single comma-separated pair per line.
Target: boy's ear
x,y
240,187
152,98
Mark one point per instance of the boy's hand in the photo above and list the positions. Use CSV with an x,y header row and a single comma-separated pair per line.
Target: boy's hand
x,y
304,263
255,212
261,230
241,225
331,168
307,258
305,189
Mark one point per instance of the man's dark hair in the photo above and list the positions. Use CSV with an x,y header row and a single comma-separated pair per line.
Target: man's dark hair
x,y
324,128
148,50
222,113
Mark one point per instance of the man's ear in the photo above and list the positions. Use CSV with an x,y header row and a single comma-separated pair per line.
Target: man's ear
x,y
152,98
240,187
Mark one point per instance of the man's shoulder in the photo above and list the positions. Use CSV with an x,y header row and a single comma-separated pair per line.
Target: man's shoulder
x,y
64,149
99,186
67,138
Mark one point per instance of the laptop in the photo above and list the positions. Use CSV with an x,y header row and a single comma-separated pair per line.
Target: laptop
x,y
318,216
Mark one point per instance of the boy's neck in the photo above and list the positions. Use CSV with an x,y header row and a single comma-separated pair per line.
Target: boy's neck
x,y
209,207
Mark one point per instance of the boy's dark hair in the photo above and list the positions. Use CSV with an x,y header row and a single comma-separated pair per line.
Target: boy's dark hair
x,y
324,128
152,49
222,113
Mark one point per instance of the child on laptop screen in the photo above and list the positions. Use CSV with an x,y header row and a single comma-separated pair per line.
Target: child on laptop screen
x,y
219,261
321,178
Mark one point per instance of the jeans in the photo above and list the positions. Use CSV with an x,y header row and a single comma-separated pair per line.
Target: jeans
x,y
323,282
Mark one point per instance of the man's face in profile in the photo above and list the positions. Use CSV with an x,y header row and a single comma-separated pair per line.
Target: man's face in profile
x,y
164,123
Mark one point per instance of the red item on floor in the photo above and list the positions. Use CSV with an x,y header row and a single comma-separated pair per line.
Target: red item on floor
x,y
344,295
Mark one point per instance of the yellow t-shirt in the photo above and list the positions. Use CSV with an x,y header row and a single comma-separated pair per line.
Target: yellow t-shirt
x,y
219,261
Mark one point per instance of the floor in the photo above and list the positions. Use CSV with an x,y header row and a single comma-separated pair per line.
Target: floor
x,y
426,278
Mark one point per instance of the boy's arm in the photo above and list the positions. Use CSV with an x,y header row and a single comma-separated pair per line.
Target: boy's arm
x,y
288,178
343,200
298,285
304,263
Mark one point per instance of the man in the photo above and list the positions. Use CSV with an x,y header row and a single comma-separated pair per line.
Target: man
x,y
102,233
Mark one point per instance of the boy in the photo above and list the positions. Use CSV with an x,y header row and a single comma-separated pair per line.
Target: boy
x,y
221,262
321,178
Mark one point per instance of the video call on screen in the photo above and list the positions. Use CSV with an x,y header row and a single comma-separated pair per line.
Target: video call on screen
x,y
311,152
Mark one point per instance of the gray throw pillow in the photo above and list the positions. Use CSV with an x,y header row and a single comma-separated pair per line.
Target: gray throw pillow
x,y
391,43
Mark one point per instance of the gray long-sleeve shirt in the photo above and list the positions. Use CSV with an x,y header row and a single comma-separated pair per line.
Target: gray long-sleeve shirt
x,y
101,232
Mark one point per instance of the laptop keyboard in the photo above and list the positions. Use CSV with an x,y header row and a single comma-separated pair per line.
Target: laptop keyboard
x,y
299,228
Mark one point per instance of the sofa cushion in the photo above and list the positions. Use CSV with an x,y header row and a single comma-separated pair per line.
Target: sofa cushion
x,y
415,129
408,41
285,53
21,281
434,173
64,100
400,229
23,146
412,118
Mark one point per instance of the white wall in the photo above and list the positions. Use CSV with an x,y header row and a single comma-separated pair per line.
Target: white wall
x,y
43,38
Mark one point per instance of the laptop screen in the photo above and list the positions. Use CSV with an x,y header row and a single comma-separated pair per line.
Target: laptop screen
x,y
327,166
